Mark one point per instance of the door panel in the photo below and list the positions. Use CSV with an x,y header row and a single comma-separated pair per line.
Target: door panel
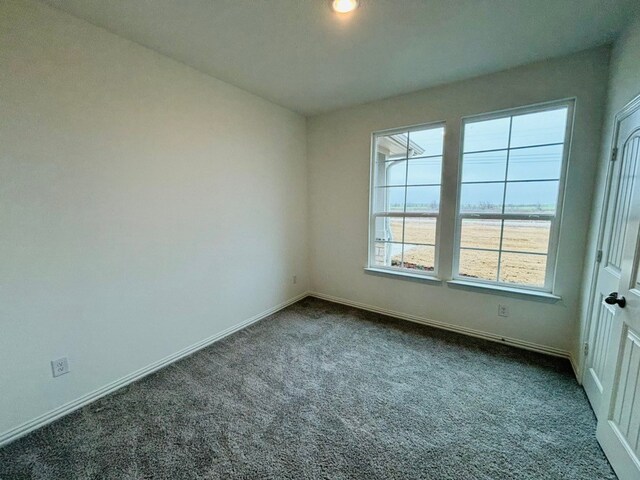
x,y
610,268
626,412
619,416
623,203
602,329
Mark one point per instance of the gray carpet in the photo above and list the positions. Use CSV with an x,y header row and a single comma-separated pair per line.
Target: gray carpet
x,y
322,391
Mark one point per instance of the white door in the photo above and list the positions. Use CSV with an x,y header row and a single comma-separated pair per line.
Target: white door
x,y
610,266
619,415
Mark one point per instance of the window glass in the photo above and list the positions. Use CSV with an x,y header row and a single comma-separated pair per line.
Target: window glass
x,y
539,163
531,197
480,234
423,199
484,166
509,192
426,142
526,235
419,257
424,171
392,147
389,199
485,135
420,230
539,128
405,203
388,229
479,264
386,254
481,197
396,173
523,269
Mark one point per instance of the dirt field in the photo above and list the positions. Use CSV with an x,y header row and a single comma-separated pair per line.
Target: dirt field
x,y
518,236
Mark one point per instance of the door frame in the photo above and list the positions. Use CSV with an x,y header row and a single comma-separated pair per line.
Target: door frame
x,y
624,112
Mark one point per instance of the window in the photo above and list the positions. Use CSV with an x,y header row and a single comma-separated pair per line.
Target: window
x,y
510,193
405,199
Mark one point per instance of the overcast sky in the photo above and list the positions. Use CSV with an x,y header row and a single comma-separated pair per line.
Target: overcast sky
x,y
486,145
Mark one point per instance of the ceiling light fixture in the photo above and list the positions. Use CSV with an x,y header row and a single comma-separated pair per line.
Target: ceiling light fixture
x,y
344,6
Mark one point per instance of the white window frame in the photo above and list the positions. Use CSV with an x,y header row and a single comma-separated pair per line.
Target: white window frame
x,y
410,272
556,220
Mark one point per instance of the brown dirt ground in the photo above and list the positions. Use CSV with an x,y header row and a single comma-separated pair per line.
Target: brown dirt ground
x,y
518,236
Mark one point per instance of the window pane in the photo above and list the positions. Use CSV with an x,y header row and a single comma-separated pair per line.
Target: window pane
x,y
420,230
389,199
423,143
385,253
523,269
484,167
423,199
424,171
480,233
396,173
388,229
481,198
407,177
511,166
539,163
526,235
419,257
531,197
479,264
396,226
539,128
396,255
486,135
392,146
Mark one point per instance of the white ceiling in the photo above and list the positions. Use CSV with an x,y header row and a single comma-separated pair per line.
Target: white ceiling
x,y
301,55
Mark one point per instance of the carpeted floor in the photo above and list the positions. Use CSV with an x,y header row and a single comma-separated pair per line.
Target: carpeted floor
x,y
322,391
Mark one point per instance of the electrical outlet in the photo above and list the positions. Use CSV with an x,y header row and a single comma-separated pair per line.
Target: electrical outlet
x,y
503,310
295,279
60,366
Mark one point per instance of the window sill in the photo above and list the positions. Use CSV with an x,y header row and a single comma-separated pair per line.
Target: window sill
x,y
504,290
403,275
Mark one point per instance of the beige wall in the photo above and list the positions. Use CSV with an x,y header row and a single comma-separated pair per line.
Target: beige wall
x,y
624,85
339,154
143,207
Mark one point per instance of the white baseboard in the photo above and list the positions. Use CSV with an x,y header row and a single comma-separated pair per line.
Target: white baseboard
x,y
52,415
556,352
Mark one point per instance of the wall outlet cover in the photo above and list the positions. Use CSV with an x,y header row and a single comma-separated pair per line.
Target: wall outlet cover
x,y
60,366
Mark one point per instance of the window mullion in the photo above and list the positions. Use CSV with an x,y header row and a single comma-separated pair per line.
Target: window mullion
x,y
504,199
404,219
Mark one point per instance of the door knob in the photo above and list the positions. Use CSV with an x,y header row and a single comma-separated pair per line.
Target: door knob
x,y
614,299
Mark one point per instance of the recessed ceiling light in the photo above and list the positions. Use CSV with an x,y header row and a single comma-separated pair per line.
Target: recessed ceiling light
x,y
344,6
